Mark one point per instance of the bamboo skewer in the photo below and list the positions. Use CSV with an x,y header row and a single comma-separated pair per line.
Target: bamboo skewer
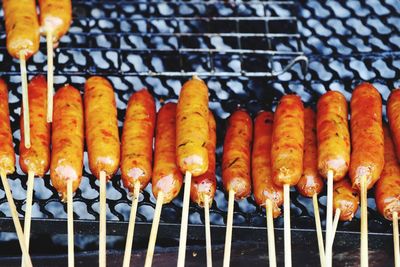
x,y
184,223
396,239
50,74
319,231
154,230
271,234
25,102
329,219
229,224
102,230
286,225
208,230
15,219
364,223
70,213
335,223
28,211
131,227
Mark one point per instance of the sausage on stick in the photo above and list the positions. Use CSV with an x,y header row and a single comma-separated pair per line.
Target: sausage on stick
x,y
102,138
236,167
137,153
266,193
22,28
55,19
191,139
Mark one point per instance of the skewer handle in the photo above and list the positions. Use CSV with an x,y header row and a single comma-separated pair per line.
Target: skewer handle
x,y
335,224
70,213
28,211
396,239
154,230
329,219
131,227
229,224
271,234
50,74
319,231
364,223
16,221
286,225
184,223
102,232
208,230
25,101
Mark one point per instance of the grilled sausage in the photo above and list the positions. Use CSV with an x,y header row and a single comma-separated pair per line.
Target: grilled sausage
x,y
310,182
55,15
346,199
387,191
206,183
333,135
166,174
288,141
67,140
263,185
367,156
393,113
101,127
22,27
192,127
137,140
7,156
236,154
36,158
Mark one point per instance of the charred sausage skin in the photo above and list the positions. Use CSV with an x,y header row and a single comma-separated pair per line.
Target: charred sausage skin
x,y
7,155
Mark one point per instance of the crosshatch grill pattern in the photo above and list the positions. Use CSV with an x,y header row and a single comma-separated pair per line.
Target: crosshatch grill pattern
x,y
131,51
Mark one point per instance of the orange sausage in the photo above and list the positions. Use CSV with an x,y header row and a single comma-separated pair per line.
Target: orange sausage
x,y
310,182
288,141
36,158
236,155
387,191
333,135
7,156
367,157
206,184
393,113
137,140
192,127
346,199
55,15
67,140
167,177
22,27
263,185
101,127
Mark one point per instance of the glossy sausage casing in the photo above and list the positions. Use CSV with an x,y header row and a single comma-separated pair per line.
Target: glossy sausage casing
x,y
22,27
67,140
310,182
206,183
236,154
387,191
288,141
393,113
346,199
7,155
101,127
367,156
137,140
263,185
37,157
57,15
166,175
192,127
333,135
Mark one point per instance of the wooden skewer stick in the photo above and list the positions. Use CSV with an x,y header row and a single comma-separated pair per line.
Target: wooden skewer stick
x,y
25,101
229,223
103,211
286,225
184,222
28,211
319,231
50,74
396,239
271,234
329,218
16,221
208,229
131,227
70,213
335,223
154,230
364,223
